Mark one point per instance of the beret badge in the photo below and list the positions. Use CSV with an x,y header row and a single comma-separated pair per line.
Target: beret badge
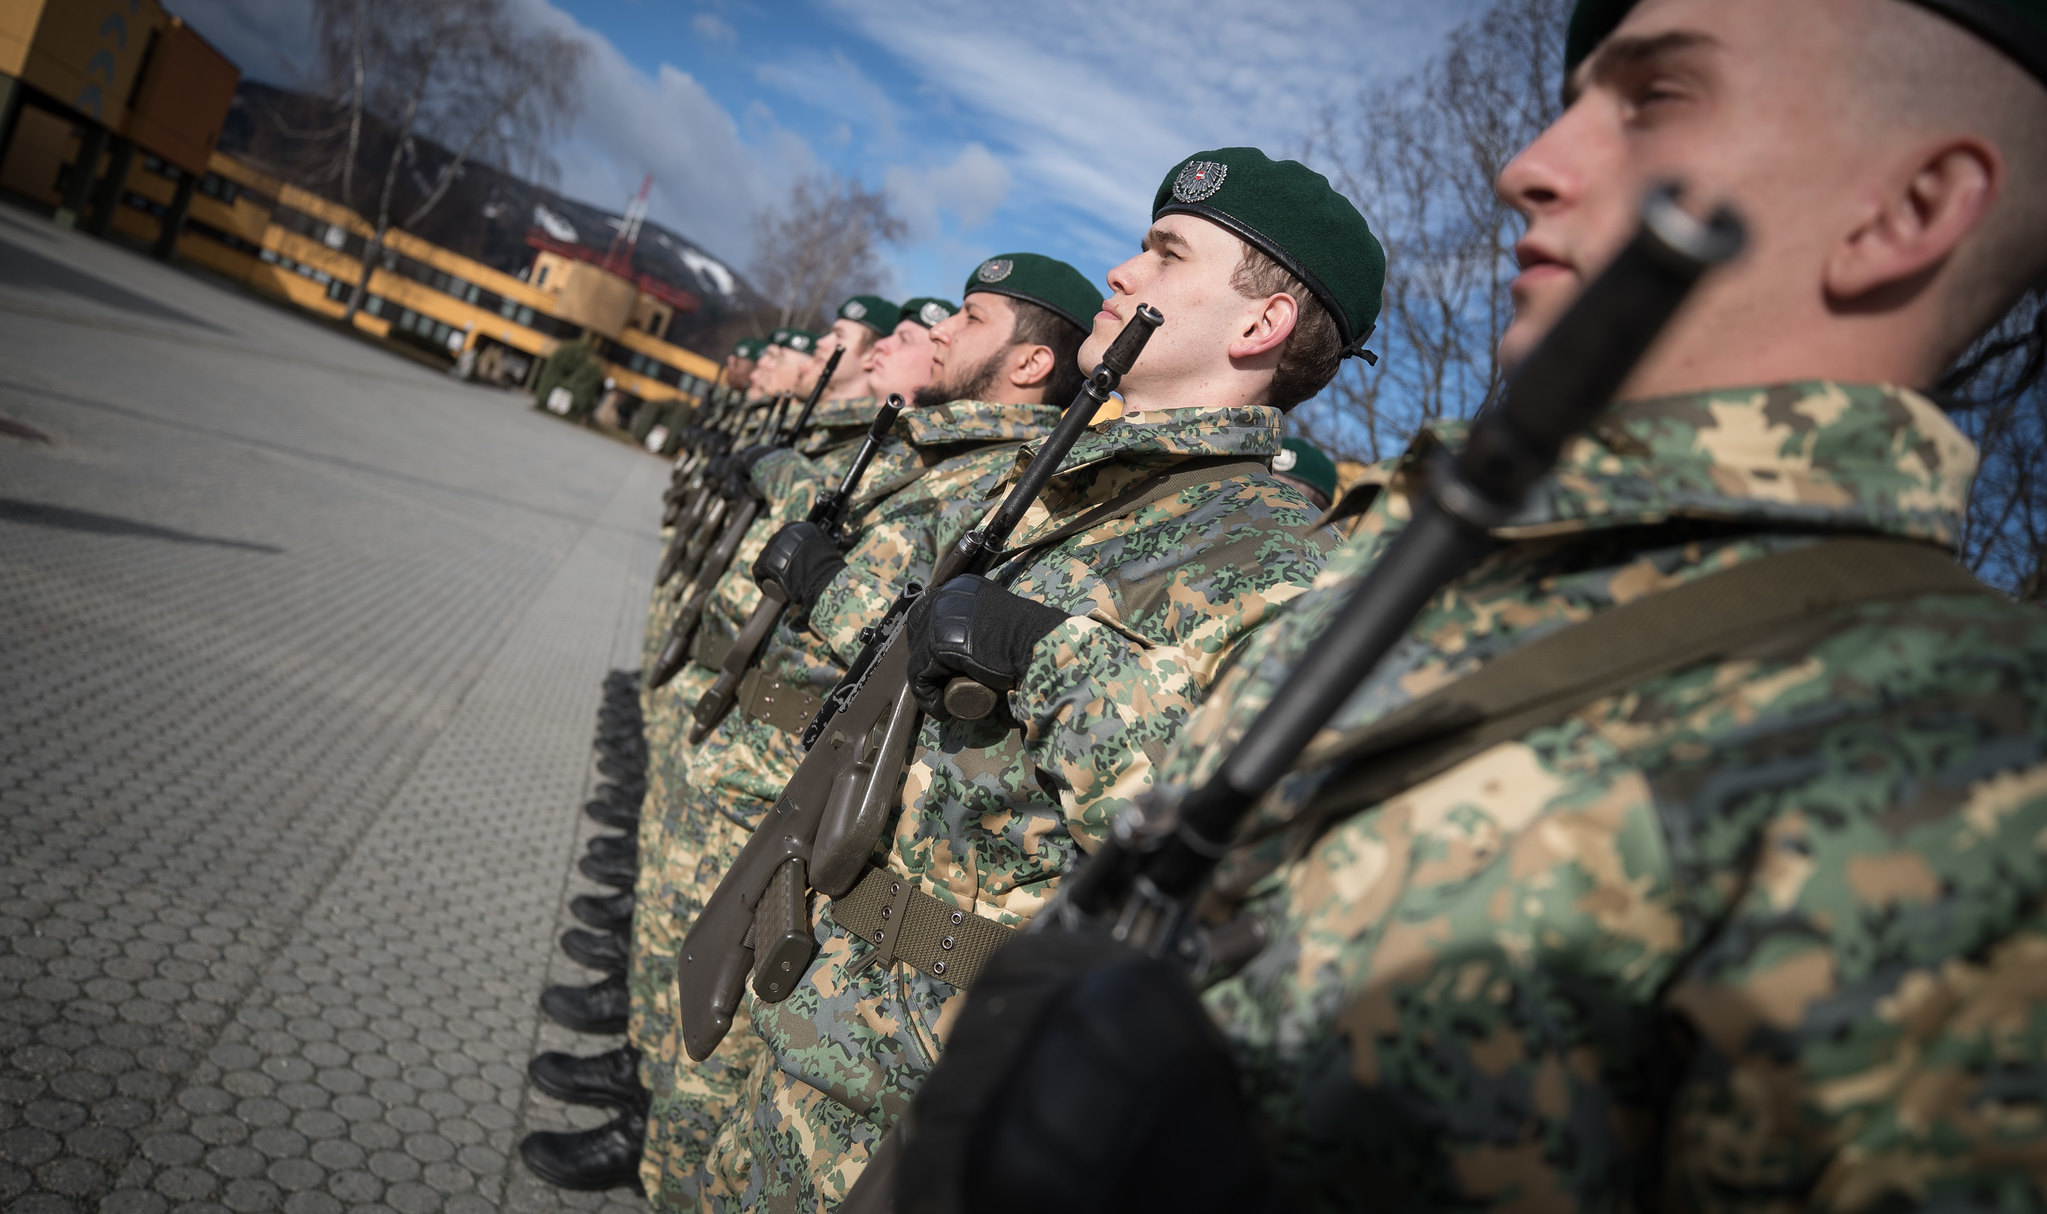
x,y
854,310
931,314
1199,180
1284,459
995,269
799,342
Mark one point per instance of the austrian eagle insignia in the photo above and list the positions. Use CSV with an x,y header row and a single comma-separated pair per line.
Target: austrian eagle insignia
x,y
995,269
932,314
1199,180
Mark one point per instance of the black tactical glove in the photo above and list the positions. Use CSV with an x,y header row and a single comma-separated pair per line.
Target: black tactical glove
x,y
802,560
1085,1078
739,473
972,627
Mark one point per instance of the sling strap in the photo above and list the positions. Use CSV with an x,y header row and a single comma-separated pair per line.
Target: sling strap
x,y
1545,680
1208,470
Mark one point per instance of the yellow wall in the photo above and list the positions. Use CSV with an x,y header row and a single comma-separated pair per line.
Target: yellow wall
x,y
18,20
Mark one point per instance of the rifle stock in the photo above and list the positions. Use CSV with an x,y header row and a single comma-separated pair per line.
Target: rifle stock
x,y
832,812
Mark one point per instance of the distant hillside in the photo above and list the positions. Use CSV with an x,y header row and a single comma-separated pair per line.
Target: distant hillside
x,y
487,213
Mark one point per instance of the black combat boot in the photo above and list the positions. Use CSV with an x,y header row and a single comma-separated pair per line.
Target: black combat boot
x,y
618,874
599,1009
615,813
606,951
610,914
607,1157
609,1080
622,848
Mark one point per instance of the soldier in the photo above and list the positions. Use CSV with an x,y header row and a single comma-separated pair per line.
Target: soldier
x,y
900,363
861,322
943,451
740,363
1766,930
1163,541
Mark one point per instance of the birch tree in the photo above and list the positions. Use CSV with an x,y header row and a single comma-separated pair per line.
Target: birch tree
x,y
821,246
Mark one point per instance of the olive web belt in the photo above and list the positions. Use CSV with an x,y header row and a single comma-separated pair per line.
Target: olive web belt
x,y
904,923
785,706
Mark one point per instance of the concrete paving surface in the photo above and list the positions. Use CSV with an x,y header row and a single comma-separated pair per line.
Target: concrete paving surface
x,y
301,648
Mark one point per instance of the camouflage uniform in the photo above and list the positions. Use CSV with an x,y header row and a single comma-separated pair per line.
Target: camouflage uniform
x,y
734,776
1770,932
995,816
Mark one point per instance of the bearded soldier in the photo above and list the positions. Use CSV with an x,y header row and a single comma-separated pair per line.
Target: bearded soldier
x,y
1161,543
1766,929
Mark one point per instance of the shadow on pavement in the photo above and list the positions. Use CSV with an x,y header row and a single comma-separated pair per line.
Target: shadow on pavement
x,y
37,514
21,267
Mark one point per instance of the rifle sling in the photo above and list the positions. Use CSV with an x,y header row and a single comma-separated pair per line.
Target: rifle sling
x,y
1768,599
1189,474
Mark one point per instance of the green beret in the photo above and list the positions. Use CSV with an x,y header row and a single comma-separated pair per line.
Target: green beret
x,y
2016,27
1304,461
749,348
929,310
1292,214
873,311
800,340
1040,280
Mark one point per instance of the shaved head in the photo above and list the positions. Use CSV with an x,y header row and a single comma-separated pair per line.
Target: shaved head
x,y
1924,78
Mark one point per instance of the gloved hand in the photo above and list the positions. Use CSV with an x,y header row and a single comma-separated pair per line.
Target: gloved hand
x,y
739,473
802,560
972,627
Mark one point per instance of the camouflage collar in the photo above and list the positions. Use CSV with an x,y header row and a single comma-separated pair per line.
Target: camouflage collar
x,y
1810,454
1170,435
849,411
976,421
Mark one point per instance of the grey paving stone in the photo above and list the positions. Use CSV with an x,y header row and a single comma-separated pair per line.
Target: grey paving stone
x,y
302,658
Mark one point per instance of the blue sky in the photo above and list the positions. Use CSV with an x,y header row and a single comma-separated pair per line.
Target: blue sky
x,y
1038,126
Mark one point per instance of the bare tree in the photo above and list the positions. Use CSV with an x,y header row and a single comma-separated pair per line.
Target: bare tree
x,y
823,245
466,75
1420,157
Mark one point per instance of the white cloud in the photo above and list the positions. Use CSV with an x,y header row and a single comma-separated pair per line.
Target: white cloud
x,y
970,188
712,172
1090,103
832,82
714,29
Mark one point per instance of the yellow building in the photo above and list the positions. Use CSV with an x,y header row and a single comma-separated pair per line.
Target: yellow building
x,y
86,85
110,113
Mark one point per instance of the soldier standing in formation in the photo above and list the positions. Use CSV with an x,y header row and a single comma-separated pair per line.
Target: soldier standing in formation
x,y
1760,928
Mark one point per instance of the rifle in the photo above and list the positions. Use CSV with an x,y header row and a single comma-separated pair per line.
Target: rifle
x,y
826,822
697,442
701,485
829,513
712,504
1134,900
675,653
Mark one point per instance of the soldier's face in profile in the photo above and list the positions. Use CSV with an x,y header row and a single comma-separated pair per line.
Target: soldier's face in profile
x,y
901,362
968,348
1738,100
1184,270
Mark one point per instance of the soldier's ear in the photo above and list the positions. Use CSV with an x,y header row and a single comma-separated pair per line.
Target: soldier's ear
x,y
1914,221
1030,366
1265,326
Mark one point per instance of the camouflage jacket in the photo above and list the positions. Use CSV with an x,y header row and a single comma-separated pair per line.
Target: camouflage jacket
x,y
949,447
1159,598
968,447
1770,932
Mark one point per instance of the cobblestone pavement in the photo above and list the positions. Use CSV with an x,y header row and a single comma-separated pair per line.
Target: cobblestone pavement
x,y
301,647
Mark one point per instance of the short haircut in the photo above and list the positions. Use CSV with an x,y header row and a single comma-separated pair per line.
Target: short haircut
x,y
1311,354
1037,325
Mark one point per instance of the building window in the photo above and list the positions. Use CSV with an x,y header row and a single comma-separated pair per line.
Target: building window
x,y
542,280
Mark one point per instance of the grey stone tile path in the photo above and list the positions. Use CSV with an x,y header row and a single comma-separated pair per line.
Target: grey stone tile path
x,y
301,648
